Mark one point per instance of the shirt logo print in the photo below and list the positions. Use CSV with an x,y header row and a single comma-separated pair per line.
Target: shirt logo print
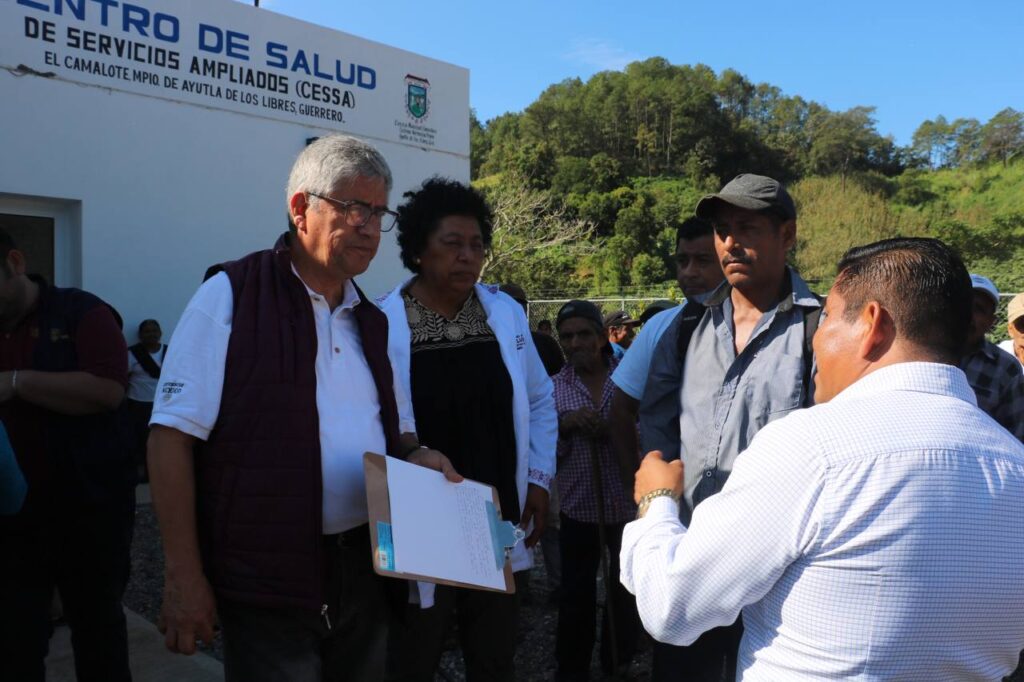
x,y
520,342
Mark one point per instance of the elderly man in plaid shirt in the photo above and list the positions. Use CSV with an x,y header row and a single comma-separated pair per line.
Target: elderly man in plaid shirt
x,y
588,476
994,374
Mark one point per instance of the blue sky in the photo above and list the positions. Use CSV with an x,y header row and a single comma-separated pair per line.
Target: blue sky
x,y
911,59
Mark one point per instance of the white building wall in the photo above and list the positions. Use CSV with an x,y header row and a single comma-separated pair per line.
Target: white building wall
x,y
152,191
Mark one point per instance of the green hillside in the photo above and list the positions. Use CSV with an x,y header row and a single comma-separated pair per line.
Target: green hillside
x,y
593,178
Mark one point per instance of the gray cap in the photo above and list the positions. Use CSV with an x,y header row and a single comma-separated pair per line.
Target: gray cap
x,y
752,192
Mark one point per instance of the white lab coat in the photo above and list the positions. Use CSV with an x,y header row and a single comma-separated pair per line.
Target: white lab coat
x,y
533,405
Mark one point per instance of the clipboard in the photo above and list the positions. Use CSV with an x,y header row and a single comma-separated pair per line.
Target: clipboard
x,y
503,534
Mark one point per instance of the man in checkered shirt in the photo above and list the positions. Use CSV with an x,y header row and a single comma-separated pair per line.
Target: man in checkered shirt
x,y
994,374
874,536
583,396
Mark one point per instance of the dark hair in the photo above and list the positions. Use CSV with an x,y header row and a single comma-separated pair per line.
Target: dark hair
x,y
921,282
546,323
694,228
423,209
145,322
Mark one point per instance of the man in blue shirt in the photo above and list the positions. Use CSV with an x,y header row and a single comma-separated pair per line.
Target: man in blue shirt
x,y
698,273
620,328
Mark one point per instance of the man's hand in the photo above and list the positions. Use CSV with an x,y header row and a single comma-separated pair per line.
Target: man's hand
x,y
535,509
189,612
432,459
584,420
656,473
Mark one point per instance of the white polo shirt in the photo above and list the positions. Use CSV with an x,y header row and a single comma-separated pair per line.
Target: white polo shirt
x,y
192,379
1007,345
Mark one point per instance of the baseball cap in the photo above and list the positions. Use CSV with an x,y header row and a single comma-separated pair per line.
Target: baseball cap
x,y
618,318
752,192
985,284
515,291
655,308
577,308
1015,310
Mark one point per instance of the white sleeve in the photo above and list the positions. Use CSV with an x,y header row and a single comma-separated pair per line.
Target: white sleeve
x,y
739,543
543,418
398,355
406,419
192,376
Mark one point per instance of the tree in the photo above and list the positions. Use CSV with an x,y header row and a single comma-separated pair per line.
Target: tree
x,y
533,164
846,141
735,93
535,242
647,270
502,139
479,145
934,142
1003,136
966,141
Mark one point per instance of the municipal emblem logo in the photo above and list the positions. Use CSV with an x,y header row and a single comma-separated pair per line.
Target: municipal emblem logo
x,y
417,103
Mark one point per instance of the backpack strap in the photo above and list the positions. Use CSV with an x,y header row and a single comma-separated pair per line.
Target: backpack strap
x,y
811,318
145,360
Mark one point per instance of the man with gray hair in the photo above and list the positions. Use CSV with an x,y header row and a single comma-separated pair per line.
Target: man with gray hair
x,y
276,382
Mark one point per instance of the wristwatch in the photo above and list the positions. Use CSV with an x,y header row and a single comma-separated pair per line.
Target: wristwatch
x,y
645,501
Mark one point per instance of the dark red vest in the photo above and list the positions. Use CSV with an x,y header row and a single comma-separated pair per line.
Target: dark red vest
x,y
258,476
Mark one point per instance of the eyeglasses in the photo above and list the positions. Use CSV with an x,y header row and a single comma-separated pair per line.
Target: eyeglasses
x,y
359,213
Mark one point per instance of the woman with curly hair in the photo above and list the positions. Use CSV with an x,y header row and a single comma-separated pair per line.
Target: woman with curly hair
x,y
480,395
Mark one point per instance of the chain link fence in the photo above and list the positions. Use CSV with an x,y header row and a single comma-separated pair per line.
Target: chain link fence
x,y
547,309
999,332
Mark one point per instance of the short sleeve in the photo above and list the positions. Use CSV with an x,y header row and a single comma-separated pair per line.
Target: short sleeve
x,y
192,377
631,374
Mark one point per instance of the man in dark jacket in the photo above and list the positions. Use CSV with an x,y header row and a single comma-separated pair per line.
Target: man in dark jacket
x,y
276,382
63,371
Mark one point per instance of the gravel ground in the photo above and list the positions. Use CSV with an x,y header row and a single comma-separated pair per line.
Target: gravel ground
x,y
534,656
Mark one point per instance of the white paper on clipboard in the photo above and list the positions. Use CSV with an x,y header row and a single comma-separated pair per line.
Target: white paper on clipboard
x,y
442,529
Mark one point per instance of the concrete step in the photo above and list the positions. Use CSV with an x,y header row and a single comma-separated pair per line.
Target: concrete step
x,y
149,659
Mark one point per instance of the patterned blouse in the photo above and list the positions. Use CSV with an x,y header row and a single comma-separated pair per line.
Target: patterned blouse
x,y
462,395
431,330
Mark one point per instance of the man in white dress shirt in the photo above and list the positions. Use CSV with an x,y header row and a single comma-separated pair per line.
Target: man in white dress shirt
x,y
276,383
875,536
